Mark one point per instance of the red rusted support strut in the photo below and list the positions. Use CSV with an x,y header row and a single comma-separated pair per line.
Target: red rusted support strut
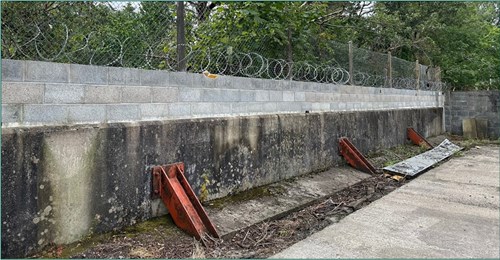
x,y
417,139
354,157
186,210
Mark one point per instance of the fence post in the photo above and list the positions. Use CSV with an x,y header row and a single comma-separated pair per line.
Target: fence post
x,y
181,37
389,68
437,74
417,71
351,65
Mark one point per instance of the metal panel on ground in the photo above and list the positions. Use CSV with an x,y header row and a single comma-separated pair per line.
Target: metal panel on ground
x,y
423,161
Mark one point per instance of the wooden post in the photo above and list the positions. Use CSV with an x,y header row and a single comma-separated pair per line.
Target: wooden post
x,y
181,37
351,65
417,71
389,68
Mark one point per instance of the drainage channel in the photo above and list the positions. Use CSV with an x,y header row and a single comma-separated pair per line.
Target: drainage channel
x,y
259,237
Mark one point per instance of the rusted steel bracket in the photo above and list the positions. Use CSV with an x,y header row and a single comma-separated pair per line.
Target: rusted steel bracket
x,y
417,139
354,157
170,184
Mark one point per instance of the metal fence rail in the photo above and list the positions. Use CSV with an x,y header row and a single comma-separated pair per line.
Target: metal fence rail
x,y
146,35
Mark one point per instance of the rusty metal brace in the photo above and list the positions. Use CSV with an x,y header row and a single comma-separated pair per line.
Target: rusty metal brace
x,y
417,139
353,157
170,184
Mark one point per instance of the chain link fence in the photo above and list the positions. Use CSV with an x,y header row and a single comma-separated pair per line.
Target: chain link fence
x,y
203,37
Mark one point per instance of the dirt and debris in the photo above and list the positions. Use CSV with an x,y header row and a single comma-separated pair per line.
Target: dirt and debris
x,y
268,238
163,240
160,238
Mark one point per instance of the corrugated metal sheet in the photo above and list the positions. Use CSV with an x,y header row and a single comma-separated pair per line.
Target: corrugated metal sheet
x,y
421,162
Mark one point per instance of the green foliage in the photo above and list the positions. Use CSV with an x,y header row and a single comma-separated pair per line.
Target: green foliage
x,y
462,38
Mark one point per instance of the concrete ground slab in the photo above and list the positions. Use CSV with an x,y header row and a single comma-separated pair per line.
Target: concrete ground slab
x,y
286,196
451,211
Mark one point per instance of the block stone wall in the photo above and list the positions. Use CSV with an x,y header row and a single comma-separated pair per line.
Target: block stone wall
x,y
472,104
45,93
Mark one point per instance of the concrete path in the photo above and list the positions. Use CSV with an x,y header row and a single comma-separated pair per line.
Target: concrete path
x,y
451,211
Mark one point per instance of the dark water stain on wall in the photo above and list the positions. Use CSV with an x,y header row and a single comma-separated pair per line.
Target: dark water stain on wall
x,y
110,181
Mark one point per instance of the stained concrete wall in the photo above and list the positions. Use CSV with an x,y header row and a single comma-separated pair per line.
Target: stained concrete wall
x,y
472,104
59,183
45,93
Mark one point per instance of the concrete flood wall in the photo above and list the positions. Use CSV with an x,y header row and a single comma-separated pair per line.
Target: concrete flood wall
x,y
472,104
61,183
78,141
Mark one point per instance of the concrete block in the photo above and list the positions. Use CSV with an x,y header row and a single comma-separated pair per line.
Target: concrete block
x,y
307,86
12,113
300,96
311,97
269,107
46,71
211,95
183,79
262,95
153,77
289,107
86,113
288,96
13,70
165,95
102,94
334,106
226,82
45,114
64,93
22,93
255,107
247,95
123,112
123,76
200,81
252,83
179,109
222,108
290,85
306,106
324,88
275,95
316,87
88,74
230,95
270,84
202,108
189,94
136,94
295,106
220,95
154,111
279,84
317,106
239,107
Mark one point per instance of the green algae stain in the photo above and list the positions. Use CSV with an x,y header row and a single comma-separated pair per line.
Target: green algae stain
x,y
203,188
258,192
